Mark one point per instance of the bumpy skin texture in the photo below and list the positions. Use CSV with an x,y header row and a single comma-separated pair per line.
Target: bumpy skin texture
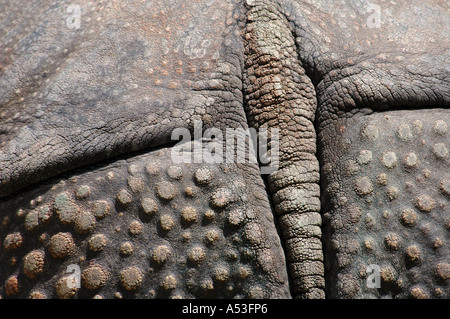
x,y
143,228
365,100
387,204
359,73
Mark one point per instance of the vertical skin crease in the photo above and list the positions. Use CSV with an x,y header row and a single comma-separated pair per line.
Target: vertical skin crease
x,y
139,71
279,94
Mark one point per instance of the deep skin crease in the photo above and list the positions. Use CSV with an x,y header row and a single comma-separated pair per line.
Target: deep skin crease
x,y
359,91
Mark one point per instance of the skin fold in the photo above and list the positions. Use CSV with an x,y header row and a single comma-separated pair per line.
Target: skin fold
x,y
91,94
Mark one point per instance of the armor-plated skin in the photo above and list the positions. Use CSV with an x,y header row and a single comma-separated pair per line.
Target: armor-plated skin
x,y
91,93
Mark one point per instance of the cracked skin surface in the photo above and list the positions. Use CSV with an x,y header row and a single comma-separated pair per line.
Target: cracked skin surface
x,y
85,129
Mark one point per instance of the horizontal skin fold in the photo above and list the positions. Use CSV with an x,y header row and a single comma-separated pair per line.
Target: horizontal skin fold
x,y
120,83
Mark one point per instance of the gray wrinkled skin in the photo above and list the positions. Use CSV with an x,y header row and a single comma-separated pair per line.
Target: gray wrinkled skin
x,y
91,93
